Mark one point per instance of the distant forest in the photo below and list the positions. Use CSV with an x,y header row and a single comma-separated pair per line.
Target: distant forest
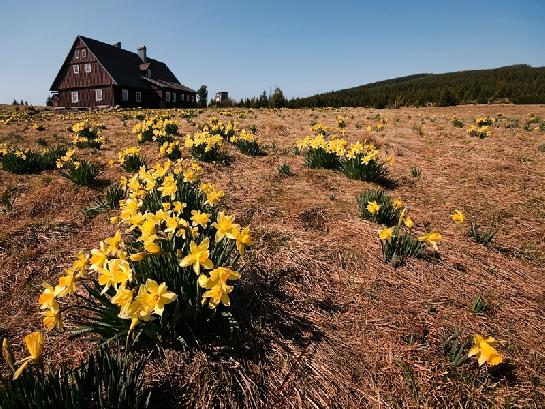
x,y
519,84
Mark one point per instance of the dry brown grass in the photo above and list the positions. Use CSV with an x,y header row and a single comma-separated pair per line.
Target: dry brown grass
x,y
325,323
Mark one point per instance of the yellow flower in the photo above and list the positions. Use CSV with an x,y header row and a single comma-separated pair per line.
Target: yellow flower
x,y
169,187
7,353
224,226
113,243
431,238
484,352
198,256
155,296
35,345
150,246
52,319
386,234
123,297
217,287
47,297
398,204
242,238
67,284
458,216
408,222
200,218
373,207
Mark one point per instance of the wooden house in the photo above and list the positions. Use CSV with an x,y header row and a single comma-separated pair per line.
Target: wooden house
x,y
95,75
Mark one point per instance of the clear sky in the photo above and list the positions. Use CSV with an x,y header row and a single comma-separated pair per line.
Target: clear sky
x,y
245,47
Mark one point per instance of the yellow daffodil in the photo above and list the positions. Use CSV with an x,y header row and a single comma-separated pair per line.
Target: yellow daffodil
x,y
373,207
52,318
224,226
200,218
47,297
458,216
242,237
484,352
398,204
431,238
386,234
216,285
155,296
35,345
408,222
198,256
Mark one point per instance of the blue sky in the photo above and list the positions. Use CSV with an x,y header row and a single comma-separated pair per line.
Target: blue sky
x,y
245,47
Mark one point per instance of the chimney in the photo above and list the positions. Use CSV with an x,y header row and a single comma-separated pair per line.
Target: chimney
x,y
118,44
142,53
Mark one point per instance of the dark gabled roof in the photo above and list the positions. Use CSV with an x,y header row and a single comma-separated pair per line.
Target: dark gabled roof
x,y
124,66
167,84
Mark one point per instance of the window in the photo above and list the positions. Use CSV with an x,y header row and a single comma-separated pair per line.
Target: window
x,y
76,54
167,96
83,53
75,97
138,96
149,72
98,94
192,98
87,68
182,97
174,97
75,68
125,94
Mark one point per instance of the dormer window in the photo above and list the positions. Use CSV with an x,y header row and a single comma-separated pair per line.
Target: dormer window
x,y
87,68
76,54
75,67
149,72
83,53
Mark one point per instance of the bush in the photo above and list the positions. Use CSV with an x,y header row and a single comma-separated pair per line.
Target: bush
x,y
109,379
320,158
114,194
204,146
171,150
168,276
131,160
362,168
388,211
28,161
399,244
247,144
82,173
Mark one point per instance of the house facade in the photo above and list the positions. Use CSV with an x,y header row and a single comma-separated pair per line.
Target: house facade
x,y
96,75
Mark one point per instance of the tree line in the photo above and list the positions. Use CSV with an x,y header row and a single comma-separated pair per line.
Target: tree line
x,y
519,84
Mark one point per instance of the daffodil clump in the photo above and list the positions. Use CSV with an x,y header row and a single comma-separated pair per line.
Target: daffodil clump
x,y
80,172
157,128
38,127
204,145
87,135
456,122
397,238
378,206
398,242
484,121
172,150
164,130
358,161
130,159
372,128
341,121
479,131
534,123
167,269
216,127
321,129
246,143
22,161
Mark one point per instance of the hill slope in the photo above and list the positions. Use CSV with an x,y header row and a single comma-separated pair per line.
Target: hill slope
x,y
520,84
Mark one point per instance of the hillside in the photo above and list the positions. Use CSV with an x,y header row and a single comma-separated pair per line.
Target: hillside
x,y
519,84
317,318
